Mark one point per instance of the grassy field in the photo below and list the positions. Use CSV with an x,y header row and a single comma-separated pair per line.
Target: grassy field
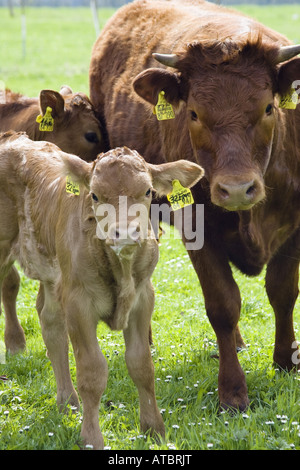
x,y
58,52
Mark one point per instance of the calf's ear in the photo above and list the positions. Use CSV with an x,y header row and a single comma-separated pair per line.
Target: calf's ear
x,y
79,170
149,83
288,74
187,173
54,100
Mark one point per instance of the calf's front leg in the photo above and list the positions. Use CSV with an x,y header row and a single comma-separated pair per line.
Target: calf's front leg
x,y
139,362
91,369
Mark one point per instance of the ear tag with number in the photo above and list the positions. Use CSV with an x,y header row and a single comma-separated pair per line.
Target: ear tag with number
x,y
46,122
72,187
163,109
180,196
289,100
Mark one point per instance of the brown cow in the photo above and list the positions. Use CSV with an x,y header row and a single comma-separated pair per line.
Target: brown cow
x,y
90,269
224,74
75,129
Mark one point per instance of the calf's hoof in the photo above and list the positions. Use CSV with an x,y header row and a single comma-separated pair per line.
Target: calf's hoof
x,y
155,429
15,342
92,439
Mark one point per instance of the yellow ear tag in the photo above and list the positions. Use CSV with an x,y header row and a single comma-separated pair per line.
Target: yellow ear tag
x,y
290,100
163,109
72,187
180,196
46,121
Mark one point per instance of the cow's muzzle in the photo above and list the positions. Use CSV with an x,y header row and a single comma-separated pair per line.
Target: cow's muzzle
x,y
235,194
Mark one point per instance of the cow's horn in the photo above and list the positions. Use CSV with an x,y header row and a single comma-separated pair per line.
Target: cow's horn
x,y
166,59
287,52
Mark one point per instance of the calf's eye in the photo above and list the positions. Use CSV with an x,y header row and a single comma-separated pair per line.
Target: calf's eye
x,y
194,116
95,198
91,137
148,192
269,109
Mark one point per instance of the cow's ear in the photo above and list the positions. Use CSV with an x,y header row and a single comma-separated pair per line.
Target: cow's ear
x,y
288,73
54,100
149,83
187,173
77,169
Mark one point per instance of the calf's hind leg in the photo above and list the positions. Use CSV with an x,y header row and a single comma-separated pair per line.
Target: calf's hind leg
x,y
14,335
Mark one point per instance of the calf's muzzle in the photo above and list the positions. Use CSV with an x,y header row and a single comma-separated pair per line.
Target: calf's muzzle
x,y
120,234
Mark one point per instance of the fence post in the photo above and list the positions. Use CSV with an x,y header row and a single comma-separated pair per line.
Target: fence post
x,y
93,4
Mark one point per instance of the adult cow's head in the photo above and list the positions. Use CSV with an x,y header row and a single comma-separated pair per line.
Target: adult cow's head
x,y
231,113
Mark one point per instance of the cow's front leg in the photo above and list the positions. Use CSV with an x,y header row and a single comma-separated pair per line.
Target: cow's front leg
x,y
139,362
282,278
14,335
91,368
222,301
55,336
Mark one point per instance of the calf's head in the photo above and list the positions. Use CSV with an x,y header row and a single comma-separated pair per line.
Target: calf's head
x,y
76,129
121,184
230,114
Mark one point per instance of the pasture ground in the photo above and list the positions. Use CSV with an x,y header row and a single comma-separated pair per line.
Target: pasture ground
x,y
58,50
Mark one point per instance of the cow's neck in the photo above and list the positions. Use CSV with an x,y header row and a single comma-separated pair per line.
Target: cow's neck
x,y
268,225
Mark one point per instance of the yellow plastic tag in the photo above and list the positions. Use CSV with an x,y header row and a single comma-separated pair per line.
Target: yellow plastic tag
x,y
180,196
71,187
290,100
163,109
46,122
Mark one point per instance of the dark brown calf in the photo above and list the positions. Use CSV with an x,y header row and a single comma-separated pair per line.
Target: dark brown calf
x,y
75,127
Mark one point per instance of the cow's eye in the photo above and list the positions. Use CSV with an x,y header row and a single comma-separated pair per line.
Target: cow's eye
x,y
148,192
95,198
91,137
194,116
269,110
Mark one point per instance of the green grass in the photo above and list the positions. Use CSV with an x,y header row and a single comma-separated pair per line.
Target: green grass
x,y
184,342
58,48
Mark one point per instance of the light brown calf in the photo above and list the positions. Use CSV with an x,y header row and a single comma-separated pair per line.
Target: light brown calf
x,y
90,269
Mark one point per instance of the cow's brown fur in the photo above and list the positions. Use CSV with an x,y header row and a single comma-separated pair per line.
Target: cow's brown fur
x,y
76,129
84,277
225,89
